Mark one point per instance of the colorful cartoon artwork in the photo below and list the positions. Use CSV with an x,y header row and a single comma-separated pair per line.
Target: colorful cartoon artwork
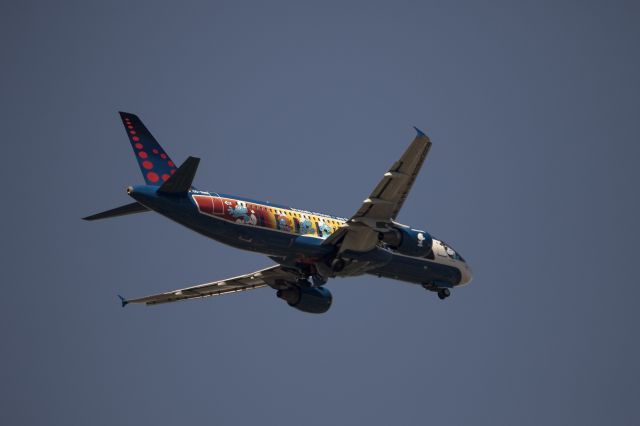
x,y
324,229
306,227
246,213
241,214
284,223
268,219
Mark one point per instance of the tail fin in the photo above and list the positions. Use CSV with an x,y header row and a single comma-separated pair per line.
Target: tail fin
x,y
155,164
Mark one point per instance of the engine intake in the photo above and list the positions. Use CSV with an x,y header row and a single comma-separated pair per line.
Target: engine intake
x,y
407,241
314,300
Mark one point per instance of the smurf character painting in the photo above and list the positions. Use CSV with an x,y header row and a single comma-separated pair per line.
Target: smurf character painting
x,y
283,224
306,227
240,213
324,229
253,220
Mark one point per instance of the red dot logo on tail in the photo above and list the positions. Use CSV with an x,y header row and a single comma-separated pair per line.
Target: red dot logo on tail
x,y
153,177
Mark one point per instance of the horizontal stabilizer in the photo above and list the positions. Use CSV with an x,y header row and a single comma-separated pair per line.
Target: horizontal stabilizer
x,y
119,211
124,302
180,182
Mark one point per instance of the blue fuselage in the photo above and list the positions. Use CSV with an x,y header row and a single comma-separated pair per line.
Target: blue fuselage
x,y
293,244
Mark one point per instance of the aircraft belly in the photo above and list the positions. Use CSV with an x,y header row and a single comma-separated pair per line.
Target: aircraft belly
x,y
418,271
239,234
236,235
249,238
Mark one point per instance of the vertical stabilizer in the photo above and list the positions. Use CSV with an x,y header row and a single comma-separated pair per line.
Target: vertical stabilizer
x,y
155,164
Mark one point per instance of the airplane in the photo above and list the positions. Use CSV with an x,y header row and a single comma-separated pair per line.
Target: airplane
x,y
309,248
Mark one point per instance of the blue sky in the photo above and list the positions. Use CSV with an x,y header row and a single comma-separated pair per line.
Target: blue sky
x,y
533,113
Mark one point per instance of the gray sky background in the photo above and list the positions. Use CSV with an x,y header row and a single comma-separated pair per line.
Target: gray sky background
x,y
533,109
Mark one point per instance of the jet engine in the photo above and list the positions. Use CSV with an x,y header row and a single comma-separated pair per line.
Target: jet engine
x,y
314,300
408,241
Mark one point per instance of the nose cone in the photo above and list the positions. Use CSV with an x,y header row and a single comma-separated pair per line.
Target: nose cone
x,y
467,275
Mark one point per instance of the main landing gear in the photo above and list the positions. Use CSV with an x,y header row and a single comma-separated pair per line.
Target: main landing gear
x,y
312,281
318,280
310,277
338,264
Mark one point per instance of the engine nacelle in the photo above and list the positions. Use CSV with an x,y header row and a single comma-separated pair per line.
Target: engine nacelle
x,y
407,241
314,300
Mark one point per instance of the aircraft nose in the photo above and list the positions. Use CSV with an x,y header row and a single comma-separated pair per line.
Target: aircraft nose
x,y
467,275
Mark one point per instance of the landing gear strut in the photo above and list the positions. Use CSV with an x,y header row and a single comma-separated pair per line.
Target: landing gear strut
x,y
318,280
337,264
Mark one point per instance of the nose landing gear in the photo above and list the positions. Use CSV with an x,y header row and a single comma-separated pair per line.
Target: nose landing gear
x,y
443,292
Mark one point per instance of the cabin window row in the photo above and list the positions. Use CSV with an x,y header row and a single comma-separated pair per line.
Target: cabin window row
x,y
299,223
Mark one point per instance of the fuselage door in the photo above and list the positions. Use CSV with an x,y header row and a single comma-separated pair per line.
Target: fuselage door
x,y
218,205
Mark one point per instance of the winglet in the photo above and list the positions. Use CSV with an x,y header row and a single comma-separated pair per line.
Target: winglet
x,y
123,301
420,132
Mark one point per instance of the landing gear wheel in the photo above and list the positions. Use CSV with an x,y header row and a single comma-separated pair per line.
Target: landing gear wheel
x,y
337,264
443,293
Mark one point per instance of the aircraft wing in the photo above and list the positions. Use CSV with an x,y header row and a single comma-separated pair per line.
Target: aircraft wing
x,y
385,201
275,276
